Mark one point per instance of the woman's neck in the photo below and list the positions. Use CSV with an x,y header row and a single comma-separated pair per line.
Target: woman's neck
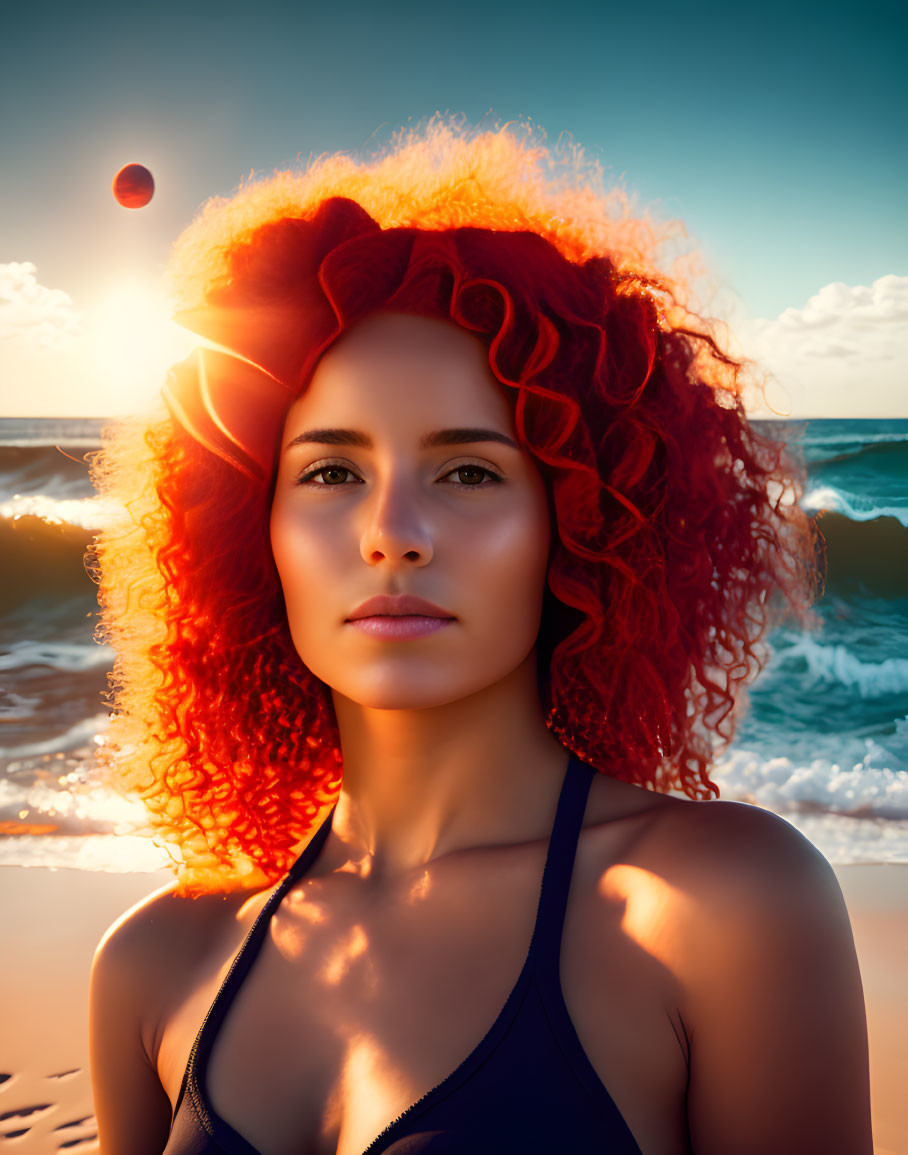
x,y
422,783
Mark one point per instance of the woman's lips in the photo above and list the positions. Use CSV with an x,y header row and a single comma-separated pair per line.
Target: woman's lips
x,y
399,617
400,627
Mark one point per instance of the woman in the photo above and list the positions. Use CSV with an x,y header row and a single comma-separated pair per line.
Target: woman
x,y
461,530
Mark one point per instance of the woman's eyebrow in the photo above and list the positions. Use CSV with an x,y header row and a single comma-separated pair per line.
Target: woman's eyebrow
x,y
331,437
428,441
465,437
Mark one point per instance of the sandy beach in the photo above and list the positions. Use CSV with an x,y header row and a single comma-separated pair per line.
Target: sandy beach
x,y
52,920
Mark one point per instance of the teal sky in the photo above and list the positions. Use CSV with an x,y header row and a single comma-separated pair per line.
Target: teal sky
x,y
776,132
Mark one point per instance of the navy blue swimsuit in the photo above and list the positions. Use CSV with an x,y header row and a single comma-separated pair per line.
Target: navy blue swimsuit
x,y
528,1087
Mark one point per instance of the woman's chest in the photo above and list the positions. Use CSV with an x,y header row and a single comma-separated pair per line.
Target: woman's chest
x,y
358,1006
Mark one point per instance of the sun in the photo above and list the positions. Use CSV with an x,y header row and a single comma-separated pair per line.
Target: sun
x,y
134,341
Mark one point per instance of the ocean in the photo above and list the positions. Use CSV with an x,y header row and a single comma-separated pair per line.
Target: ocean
x,y
825,743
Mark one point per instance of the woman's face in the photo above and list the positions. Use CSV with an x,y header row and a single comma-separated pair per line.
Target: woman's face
x,y
400,478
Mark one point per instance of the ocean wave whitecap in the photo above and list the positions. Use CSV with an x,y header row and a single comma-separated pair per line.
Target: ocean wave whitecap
x,y
828,498
91,513
785,786
70,657
836,664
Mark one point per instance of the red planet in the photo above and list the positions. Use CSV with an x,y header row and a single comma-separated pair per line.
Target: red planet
x,y
133,186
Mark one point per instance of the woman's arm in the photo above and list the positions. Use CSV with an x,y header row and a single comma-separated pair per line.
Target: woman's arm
x,y
776,1012
131,1107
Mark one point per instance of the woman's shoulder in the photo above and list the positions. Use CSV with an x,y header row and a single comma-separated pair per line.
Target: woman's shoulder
x,y
705,845
713,848
166,919
154,960
744,922
713,867
724,876
149,957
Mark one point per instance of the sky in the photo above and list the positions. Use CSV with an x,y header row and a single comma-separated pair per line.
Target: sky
x,y
776,132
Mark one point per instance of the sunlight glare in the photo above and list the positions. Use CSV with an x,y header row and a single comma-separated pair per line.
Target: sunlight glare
x,y
372,1088
134,342
650,907
343,957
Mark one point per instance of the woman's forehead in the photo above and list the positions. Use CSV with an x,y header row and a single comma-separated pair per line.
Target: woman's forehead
x,y
398,369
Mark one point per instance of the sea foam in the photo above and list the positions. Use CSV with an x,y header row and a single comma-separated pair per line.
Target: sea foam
x,y
853,506
836,664
91,513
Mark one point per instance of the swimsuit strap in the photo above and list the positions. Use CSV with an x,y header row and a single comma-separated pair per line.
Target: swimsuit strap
x,y
559,866
246,956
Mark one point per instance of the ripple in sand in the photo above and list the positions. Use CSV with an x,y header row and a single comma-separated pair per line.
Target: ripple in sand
x,y
26,1112
87,1143
37,1124
76,1123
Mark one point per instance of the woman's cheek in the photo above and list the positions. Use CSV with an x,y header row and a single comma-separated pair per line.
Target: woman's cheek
x,y
307,572
515,565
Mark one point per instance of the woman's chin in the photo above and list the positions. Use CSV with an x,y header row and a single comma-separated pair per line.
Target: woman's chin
x,y
406,694
430,684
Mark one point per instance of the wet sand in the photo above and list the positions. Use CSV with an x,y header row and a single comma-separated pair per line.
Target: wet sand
x,y
51,921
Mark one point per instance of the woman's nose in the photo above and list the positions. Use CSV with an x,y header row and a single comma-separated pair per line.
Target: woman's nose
x,y
395,528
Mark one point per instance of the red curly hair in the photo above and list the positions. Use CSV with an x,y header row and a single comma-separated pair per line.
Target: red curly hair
x,y
677,538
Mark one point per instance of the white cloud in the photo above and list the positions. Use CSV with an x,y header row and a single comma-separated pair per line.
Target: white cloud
x,y
856,306
107,357
844,353
30,312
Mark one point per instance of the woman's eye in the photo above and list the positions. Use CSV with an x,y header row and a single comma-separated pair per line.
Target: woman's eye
x,y
473,476
328,475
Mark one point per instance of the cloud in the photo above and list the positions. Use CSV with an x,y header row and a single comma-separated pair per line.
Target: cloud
x,y
844,353
106,358
29,312
857,306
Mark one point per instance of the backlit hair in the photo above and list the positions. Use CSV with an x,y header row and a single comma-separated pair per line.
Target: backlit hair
x,y
677,538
